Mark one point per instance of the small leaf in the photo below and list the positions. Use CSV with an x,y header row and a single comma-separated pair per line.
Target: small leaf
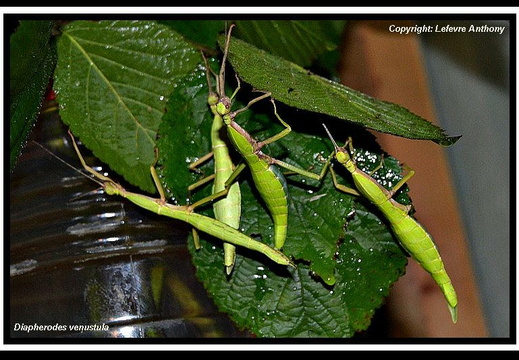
x,y
297,87
32,60
112,82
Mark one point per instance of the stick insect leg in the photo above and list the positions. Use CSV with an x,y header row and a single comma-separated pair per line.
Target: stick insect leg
x,y
238,87
237,171
199,183
194,167
84,164
341,187
410,174
249,104
162,194
222,193
394,189
378,167
156,178
280,135
294,169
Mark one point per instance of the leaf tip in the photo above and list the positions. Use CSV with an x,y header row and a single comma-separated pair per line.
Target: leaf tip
x,y
449,140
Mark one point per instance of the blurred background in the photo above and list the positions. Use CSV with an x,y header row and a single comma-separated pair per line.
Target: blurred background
x,y
470,82
460,81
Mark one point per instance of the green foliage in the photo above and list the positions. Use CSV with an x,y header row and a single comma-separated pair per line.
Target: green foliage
x,y
181,138
298,41
112,81
128,87
32,59
202,33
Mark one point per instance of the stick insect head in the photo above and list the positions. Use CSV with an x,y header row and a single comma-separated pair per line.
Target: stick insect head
x,y
341,154
223,107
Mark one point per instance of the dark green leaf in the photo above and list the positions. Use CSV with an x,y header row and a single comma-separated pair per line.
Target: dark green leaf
x,y
112,82
201,32
369,262
299,41
184,134
31,63
297,87
279,302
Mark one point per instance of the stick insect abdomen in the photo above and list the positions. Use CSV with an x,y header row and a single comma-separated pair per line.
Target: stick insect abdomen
x,y
269,181
271,185
227,209
419,244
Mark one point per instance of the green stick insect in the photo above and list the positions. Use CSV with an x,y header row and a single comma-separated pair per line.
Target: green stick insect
x,y
228,208
268,179
203,223
411,235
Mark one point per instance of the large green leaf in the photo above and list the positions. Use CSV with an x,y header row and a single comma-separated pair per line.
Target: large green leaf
x,y
32,59
270,300
112,81
297,87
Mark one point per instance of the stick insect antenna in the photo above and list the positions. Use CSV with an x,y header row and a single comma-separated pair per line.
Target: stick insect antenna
x,y
221,80
331,138
69,165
